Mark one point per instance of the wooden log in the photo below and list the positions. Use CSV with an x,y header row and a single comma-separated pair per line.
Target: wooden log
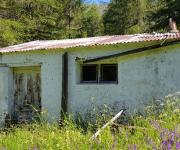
x,y
107,124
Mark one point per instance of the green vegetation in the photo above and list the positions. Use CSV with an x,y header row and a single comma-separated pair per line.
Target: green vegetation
x,y
28,20
158,128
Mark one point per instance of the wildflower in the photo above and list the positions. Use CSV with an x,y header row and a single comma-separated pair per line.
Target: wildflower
x,y
176,110
162,104
158,101
172,136
92,99
164,115
173,103
134,147
164,143
151,143
52,133
169,96
169,146
178,146
155,124
178,93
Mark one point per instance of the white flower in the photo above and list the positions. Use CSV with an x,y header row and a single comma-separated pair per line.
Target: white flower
x,y
164,115
176,110
169,96
162,104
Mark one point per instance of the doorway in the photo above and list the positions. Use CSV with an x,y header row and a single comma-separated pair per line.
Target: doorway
x,y
27,93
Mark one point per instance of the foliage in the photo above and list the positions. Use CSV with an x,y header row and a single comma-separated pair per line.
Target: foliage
x,y
126,16
10,32
168,9
47,19
129,16
28,20
156,130
91,22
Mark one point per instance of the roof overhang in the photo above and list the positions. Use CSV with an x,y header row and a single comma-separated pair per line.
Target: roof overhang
x,y
132,51
89,42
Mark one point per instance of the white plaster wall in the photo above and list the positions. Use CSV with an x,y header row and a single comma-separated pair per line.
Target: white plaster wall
x,y
51,72
141,78
4,93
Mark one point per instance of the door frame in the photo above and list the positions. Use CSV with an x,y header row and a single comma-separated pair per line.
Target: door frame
x,y
24,69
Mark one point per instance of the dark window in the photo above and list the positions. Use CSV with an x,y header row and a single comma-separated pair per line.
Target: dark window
x,y
89,73
109,73
99,73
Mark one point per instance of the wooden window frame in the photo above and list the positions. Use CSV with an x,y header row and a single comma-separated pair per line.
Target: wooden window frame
x,y
99,74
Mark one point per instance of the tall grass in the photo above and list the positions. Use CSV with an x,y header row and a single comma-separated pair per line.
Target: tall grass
x,y
159,128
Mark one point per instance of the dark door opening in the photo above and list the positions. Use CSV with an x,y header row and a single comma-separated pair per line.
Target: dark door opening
x,y
27,93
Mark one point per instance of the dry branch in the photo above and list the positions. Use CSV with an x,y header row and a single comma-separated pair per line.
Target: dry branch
x,y
107,124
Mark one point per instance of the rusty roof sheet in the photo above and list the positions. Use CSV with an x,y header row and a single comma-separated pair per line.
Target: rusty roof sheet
x,y
91,41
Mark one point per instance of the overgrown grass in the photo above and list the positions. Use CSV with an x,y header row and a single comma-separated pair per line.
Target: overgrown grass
x,y
158,129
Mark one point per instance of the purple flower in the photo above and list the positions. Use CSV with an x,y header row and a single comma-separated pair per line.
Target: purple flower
x,y
165,130
172,136
178,146
169,146
171,142
169,138
155,124
177,135
151,143
164,143
135,147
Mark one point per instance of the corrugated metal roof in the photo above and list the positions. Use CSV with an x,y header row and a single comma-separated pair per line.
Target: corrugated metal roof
x,y
92,41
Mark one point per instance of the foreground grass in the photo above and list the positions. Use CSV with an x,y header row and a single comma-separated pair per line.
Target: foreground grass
x,y
158,129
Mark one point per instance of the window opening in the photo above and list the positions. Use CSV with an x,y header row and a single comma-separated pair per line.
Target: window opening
x,y
89,73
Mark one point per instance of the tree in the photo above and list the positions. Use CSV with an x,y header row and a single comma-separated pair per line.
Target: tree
x,y
38,17
91,22
11,32
160,18
28,20
126,16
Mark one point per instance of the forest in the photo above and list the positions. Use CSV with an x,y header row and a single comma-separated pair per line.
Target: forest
x,y
28,20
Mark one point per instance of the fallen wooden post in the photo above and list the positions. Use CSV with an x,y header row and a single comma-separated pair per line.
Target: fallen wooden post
x,y
107,124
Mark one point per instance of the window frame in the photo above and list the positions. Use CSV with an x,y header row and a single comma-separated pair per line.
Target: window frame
x,y
101,73
81,76
98,74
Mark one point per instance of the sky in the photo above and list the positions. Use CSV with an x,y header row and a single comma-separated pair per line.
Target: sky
x,y
99,1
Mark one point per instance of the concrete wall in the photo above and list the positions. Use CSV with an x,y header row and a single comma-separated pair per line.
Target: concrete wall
x,y
141,78
51,72
4,93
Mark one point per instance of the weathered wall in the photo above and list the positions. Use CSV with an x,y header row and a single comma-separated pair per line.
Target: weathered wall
x,y
51,72
4,93
141,78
